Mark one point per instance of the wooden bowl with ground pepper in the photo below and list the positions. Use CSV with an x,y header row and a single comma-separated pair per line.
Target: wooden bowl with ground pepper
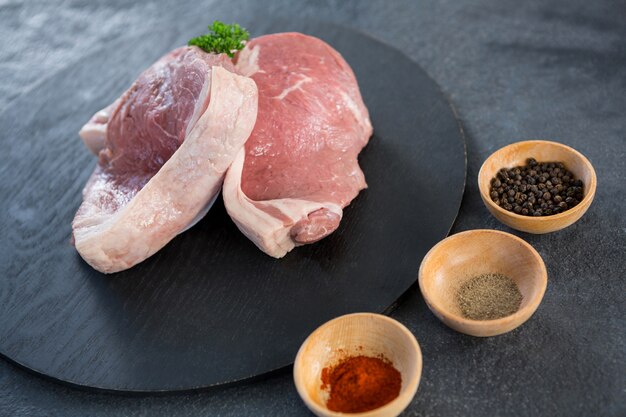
x,y
537,186
361,364
483,282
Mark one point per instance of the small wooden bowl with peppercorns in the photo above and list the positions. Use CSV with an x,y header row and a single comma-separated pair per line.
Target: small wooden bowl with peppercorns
x,y
537,186
381,355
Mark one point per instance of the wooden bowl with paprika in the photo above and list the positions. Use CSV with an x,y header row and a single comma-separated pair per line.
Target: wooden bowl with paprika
x,y
364,364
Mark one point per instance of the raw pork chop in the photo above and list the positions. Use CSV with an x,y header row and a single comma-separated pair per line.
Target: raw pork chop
x,y
299,168
164,147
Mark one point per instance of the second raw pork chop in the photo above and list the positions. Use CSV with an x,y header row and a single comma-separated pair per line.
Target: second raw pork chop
x,y
299,168
163,148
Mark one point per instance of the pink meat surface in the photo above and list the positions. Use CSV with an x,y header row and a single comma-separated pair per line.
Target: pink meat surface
x,y
163,149
299,168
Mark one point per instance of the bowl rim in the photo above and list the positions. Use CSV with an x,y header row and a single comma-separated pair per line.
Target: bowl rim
x,y
586,201
405,395
522,313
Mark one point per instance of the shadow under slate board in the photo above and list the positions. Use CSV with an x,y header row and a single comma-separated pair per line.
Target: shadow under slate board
x,y
210,308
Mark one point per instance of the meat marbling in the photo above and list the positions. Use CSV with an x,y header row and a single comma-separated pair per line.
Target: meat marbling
x,y
163,148
299,168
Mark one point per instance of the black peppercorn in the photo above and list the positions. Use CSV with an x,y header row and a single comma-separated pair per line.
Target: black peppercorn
x,y
536,189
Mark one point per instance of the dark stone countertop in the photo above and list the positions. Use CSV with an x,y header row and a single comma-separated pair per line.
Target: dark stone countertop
x,y
551,69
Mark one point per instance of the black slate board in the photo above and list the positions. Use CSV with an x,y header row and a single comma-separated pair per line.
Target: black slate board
x,y
210,308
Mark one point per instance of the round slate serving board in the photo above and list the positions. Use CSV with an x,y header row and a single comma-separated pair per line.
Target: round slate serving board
x,y
210,308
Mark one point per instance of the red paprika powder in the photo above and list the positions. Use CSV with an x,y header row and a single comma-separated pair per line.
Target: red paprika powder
x,y
361,383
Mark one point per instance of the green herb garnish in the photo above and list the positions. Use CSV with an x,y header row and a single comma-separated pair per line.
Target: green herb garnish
x,y
222,38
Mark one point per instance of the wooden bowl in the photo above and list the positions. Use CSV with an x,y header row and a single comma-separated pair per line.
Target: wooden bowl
x,y
516,154
357,334
454,260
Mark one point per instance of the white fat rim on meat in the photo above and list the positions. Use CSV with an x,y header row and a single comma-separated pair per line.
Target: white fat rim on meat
x,y
248,61
94,136
182,187
94,132
197,113
268,233
197,110
202,213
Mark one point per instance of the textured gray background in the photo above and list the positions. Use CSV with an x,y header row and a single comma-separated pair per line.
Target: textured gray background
x,y
515,70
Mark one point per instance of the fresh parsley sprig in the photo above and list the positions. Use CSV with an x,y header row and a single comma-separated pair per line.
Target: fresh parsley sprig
x,y
222,39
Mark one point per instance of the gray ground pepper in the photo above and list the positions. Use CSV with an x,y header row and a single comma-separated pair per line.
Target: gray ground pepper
x,y
488,297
